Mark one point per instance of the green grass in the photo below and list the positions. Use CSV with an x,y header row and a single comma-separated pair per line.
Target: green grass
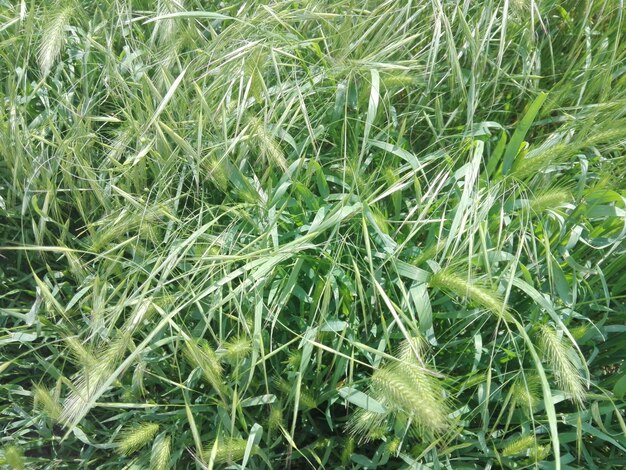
x,y
313,234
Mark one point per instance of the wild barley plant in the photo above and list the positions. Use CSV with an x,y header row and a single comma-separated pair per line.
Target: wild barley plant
x,y
135,437
406,389
220,221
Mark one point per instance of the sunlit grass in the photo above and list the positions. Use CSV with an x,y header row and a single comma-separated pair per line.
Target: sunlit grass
x,y
312,234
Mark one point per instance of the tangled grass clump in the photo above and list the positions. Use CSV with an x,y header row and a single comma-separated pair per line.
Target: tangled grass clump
x,y
312,234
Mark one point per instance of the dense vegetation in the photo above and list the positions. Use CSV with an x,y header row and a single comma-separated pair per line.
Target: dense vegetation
x,y
313,234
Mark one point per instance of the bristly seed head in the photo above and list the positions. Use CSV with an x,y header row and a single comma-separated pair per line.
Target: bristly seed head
x,y
135,437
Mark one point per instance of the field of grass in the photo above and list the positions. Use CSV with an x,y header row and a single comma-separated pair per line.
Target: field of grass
x,y
313,234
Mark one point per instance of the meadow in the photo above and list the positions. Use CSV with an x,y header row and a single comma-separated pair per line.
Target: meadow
x,y
313,234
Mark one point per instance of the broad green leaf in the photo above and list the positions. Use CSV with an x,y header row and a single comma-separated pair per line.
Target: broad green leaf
x,y
619,389
362,400
519,135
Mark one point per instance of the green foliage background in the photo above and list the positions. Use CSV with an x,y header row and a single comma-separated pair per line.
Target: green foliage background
x,y
315,234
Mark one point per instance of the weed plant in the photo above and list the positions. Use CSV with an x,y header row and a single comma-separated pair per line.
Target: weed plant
x,y
313,234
